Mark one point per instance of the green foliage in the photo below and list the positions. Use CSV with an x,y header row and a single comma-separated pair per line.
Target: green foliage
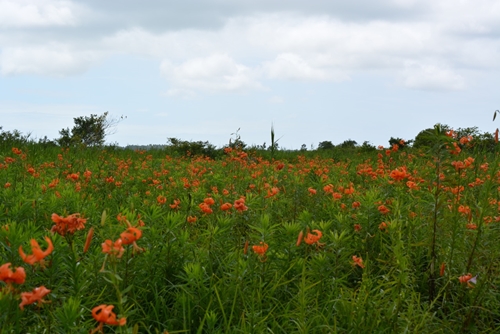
x,y
349,143
13,138
192,148
206,277
325,145
431,136
367,147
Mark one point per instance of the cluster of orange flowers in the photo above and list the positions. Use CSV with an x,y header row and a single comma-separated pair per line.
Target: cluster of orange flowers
x,y
128,237
18,275
69,224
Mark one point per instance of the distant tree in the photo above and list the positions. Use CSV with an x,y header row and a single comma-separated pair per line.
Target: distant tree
x,y
192,148
325,145
400,142
15,137
465,132
429,137
367,147
303,147
349,143
88,130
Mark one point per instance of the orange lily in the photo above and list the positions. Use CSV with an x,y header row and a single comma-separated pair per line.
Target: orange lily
x,y
358,261
312,239
383,209
8,276
239,204
69,224
28,298
104,315
261,250
38,255
176,204
226,206
113,248
468,279
130,236
209,201
205,208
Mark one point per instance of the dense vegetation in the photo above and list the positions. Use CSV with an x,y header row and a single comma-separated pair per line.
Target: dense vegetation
x,y
346,238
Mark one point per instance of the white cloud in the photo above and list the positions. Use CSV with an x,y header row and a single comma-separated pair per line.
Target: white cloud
x,y
431,77
290,66
245,49
29,13
215,73
52,59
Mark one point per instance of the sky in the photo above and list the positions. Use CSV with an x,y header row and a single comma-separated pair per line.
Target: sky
x,y
316,70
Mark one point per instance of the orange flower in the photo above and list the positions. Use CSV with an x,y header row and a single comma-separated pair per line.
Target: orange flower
x,y
115,249
54,183
7,185
130,236
239,204
87,174
8,276
328,188
88,240
261,250
468,279
161,199
104,315
69,224
28,298
312,191
399,174
209,201
412,185
312,239
465,210
383,226
73,176
205,208
383,209
356,204
176,204
471,226
16,151
456,149
357,227
226,206
272,192
38,255
191,219
358,261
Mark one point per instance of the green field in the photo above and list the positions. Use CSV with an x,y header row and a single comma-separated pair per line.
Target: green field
x,y
250,241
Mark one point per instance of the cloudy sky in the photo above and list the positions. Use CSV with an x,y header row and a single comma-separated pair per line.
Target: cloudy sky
x,y
200,70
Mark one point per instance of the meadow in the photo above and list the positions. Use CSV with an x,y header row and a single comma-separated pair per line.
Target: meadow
x,y
394,240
